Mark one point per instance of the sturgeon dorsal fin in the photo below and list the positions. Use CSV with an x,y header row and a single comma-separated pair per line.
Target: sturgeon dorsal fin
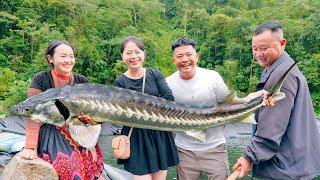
x,y
232,98
229,99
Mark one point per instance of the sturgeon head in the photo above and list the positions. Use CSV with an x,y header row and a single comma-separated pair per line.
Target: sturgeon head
x,y
52,107
44,108
57,106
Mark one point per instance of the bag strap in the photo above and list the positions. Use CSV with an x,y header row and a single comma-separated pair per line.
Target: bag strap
x,y
144,80
143,85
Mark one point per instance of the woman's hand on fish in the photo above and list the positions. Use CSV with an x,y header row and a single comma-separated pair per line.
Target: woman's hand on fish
x,y
87,119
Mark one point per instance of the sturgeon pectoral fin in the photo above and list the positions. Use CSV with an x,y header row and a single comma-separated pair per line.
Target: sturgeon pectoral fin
x,y
249,119
197,134
85,136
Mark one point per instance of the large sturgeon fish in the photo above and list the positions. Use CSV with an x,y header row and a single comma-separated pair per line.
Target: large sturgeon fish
x,y
60,106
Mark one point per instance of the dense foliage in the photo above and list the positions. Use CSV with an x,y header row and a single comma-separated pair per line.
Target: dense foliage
x,y
221,28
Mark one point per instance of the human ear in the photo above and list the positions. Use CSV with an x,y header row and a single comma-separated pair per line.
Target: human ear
x,y
50,59
173,60
283,42
198,56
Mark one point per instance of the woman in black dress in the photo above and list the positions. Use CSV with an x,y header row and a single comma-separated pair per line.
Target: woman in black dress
x,y
152,151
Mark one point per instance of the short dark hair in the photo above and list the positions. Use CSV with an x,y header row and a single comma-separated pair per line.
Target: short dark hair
x,y
134,39
273,26
183,42
53,45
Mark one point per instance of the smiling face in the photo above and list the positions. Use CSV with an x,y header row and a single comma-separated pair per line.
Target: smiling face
x,y
185,58
63,59
267,48
133,56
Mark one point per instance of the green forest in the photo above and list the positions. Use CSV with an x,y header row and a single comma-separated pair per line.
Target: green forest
x,y
222,30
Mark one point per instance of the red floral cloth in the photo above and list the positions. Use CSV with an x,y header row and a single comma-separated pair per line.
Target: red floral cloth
x,y
78,164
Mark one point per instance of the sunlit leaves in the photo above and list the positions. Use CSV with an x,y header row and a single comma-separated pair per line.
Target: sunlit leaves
x,y
221,28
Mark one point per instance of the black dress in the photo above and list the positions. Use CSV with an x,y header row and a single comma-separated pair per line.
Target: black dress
x,y
151,150
55,147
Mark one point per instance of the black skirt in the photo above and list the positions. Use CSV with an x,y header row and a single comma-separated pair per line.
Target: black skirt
x,y
151,151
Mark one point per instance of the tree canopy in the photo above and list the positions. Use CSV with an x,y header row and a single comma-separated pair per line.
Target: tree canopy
x,y
222,30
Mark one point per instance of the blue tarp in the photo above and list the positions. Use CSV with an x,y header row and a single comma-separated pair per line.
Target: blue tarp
x,y
11,143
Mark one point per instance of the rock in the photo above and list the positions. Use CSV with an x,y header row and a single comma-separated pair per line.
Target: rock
x,y
37,169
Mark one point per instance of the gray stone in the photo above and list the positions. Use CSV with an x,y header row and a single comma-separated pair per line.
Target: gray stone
x,y
37,169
